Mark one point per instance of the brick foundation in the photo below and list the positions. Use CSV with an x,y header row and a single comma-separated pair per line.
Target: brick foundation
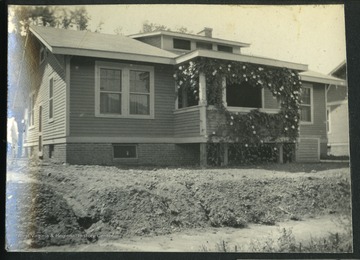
x,y
58,155
147,154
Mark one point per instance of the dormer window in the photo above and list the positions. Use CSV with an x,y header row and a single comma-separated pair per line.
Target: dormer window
x,y
181,44
225,48
204,45
42,54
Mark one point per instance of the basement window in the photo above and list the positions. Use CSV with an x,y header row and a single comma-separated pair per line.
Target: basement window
x,y
243,95
182,44
225,48
125,151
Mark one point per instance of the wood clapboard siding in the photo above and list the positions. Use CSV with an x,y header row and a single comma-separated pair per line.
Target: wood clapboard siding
x,y
307,150
339,124
318,127
269,100
187,124
154,40
51,67
82,105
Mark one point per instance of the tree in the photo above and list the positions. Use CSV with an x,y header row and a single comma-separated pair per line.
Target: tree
x,y
118,30
24,16
152,27
19,62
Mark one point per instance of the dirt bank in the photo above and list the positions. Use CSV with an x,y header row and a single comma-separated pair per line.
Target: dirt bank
x,y
82,204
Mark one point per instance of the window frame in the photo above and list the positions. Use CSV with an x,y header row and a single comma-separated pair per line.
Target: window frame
x,y
51,100
311,105
125,89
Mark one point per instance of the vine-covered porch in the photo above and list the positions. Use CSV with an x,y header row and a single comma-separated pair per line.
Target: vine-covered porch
x,y
236,106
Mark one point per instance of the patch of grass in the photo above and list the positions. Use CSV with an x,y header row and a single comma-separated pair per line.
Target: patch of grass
x,y
286,243
222,246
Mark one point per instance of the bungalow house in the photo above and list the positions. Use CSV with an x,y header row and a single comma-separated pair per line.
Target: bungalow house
x,y
166,98
338,114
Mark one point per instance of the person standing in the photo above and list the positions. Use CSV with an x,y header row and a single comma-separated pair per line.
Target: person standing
x,y
12,138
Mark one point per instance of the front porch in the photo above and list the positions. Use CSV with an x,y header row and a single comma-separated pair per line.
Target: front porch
x,y
198,121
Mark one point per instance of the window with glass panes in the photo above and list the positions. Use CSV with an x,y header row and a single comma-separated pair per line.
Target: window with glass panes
x,y
110,91
139,92
124,90
51,98
305,106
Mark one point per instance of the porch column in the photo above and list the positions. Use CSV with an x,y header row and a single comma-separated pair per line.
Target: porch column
x,y
202,103
226,154
281,153
202,89
223,83
203,155
202,111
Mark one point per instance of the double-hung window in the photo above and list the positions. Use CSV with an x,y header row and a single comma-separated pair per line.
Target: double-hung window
x,y
306,115
124,90
51,99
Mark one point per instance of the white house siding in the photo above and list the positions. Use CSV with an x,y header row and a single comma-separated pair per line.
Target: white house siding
x,y
51,67
187,124
317,129
339,129
308,150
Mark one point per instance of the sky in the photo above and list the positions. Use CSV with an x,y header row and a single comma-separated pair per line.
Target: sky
x,y
307,34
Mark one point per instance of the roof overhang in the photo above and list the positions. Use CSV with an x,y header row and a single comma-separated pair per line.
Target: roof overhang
x,y
112,55
103,54
241,58
323,79
190,36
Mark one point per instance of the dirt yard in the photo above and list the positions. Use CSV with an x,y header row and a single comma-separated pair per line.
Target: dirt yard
x,y
74,206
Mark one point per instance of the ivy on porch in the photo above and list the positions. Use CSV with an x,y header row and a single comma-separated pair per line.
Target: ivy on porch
x,y
243,131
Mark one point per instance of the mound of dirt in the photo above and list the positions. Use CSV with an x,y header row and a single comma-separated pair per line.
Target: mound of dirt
x,y
37,217
82,204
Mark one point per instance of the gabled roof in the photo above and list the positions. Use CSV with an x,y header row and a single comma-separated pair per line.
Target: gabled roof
x,y
317,77
190,36
85,43
338,67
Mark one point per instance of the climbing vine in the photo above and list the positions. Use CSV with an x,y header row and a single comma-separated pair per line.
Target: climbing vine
x,y
253,129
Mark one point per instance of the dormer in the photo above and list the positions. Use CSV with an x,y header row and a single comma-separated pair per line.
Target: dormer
x,y
180,43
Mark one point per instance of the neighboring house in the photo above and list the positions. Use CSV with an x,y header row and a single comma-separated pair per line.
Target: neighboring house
x,y
109,99
338,114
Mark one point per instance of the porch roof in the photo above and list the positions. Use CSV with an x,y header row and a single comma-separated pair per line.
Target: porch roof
x,y
85,43
241,58
317,77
